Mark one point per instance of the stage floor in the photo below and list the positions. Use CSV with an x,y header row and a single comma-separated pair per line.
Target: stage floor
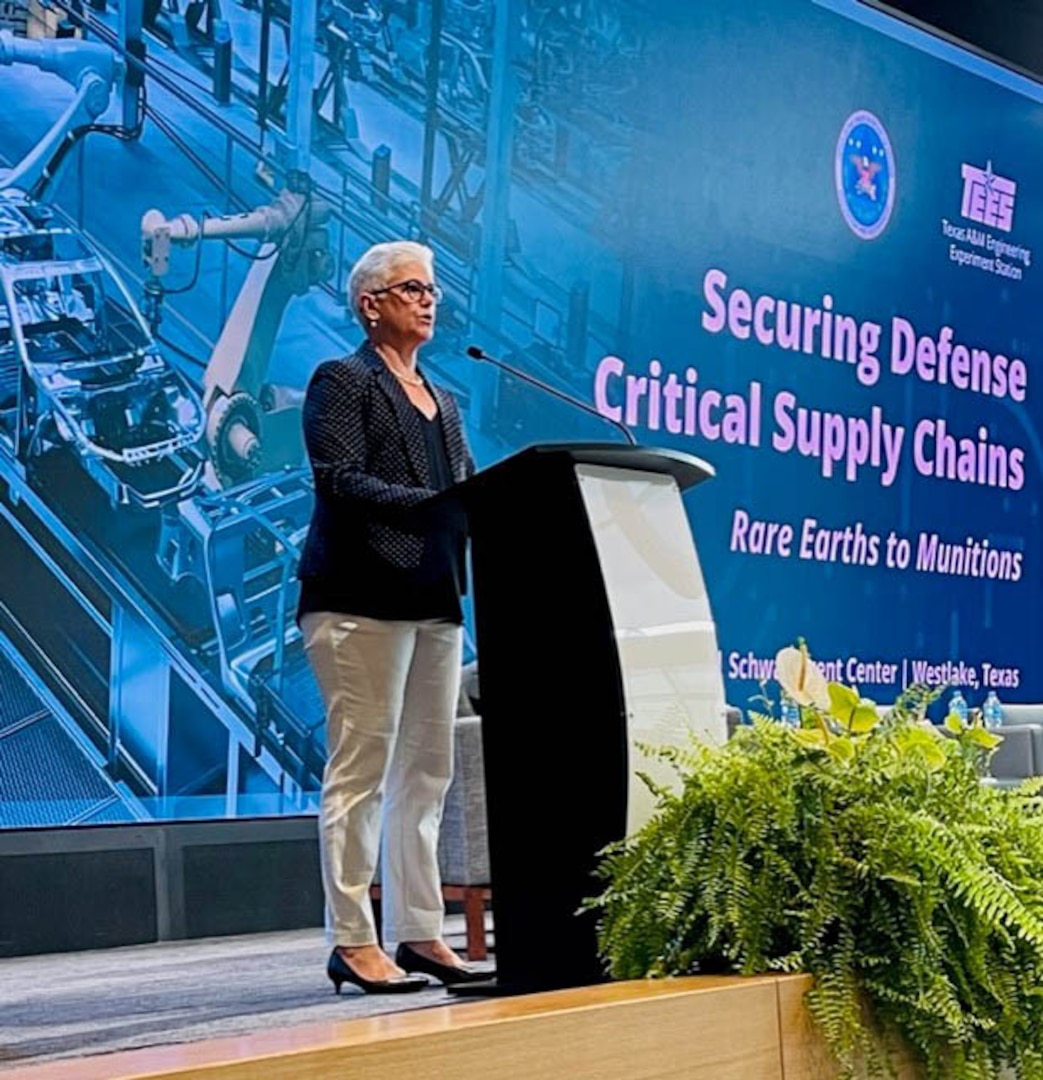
x,y
75,1004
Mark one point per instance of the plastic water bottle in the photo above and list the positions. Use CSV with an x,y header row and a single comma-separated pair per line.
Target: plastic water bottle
x,y
992,711
790,712
958,705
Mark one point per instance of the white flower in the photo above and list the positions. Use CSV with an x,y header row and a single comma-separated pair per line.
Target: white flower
x,y
801,677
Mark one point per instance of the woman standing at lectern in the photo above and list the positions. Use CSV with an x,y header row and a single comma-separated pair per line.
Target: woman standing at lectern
x,y
381,580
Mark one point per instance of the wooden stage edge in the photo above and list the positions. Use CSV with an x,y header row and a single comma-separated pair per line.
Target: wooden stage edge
x,y
700,1028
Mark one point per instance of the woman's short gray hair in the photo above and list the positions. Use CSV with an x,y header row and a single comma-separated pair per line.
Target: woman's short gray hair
x,y
376,267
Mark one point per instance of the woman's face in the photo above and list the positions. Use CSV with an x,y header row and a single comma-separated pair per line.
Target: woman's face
x,y
404,308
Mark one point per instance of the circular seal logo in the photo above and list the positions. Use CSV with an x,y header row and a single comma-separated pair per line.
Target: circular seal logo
x,y
865,175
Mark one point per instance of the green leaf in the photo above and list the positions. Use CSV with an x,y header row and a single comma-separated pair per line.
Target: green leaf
x,y
864,718
923,743
985,739
914,738
842,701
954,723
813,738
841,748
934,756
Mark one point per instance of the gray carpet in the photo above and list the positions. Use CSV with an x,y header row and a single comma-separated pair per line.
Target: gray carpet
x,y
75,1004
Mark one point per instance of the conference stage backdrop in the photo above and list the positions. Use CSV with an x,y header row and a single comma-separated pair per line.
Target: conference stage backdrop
x,y
796,239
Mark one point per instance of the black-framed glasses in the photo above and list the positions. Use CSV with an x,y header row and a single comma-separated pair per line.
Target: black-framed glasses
x,y
412,290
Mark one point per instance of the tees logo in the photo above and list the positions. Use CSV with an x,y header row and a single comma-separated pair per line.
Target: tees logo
x,y
864,169
988,198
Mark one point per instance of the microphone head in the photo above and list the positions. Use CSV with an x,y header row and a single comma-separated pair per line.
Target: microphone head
x,y
475,353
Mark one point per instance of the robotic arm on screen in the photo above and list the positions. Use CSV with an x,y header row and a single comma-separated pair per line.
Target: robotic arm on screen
x,y
91,69
253,426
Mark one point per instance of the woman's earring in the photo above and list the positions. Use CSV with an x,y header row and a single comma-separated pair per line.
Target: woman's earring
x,y
372,323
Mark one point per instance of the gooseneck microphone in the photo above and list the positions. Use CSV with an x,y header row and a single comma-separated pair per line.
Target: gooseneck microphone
x,y
480,354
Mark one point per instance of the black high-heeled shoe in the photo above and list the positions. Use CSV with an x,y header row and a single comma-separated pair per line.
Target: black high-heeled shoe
x,y
340,972
408,958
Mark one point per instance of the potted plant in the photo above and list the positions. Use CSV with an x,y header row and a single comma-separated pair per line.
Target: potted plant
x,y
864,850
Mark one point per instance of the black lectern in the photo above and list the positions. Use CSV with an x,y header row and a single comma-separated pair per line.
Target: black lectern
x,y
593,629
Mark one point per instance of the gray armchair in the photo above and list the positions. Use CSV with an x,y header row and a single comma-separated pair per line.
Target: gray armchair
x,y
733,718
1020,755
463,845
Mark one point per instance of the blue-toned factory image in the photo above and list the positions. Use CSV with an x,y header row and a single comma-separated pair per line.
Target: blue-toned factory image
x,y
759,256
176,233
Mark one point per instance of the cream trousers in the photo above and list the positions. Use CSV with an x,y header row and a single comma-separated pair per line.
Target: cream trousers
x,y
390,690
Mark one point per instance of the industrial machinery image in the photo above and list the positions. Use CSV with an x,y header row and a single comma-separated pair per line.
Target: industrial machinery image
x,y
182,191
134,506
80,372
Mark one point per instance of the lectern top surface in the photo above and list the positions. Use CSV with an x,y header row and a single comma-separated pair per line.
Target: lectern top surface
x,y
686,469
535,463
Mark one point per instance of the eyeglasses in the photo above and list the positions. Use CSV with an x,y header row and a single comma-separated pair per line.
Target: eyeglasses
x,y
412,291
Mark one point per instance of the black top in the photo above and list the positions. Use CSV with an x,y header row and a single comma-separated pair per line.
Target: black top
x,y
375,588
437,458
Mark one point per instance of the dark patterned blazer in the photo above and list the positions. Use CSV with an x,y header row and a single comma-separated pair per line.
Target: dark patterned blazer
x,y
369,460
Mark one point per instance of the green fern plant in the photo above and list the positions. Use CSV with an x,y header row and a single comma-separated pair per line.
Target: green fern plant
x,y
864,851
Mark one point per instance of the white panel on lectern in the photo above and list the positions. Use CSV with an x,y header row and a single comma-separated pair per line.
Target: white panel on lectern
x,y
664,629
